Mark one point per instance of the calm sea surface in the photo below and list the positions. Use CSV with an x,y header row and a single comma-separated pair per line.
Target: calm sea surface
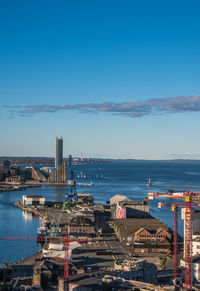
x,y
126,178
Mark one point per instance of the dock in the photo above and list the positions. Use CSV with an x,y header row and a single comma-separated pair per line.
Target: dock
x,y
30,209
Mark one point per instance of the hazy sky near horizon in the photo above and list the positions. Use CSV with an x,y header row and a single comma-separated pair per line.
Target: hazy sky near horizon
x,y
117,79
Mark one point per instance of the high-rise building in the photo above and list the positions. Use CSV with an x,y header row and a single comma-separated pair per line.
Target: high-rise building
x,y
6,167
59,173
59,152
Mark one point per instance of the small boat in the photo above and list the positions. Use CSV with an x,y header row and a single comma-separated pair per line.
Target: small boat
x,y
42,232
43,229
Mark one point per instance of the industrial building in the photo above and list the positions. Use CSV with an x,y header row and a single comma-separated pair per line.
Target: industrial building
x,y
85,199
123,207
137,269
146,234
81,221
14,179
81,226
76,220
116,198
133,209
32,200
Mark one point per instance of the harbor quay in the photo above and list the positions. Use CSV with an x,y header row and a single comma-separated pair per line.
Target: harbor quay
x,y
100,246
83,244
87,245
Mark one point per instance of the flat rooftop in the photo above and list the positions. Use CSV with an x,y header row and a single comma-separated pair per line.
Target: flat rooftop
x,y
84,195
33,196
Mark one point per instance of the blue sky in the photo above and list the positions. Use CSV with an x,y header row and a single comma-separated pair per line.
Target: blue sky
x,y
115,78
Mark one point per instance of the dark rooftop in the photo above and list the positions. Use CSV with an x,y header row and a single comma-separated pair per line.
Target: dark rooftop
x,y
130,225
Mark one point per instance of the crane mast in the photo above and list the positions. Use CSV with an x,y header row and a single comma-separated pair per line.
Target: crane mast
x,y
188,230
188,243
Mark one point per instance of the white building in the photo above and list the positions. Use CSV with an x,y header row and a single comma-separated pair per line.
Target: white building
x,y
195,243
140,270
195,268
116,198
32,200
195,231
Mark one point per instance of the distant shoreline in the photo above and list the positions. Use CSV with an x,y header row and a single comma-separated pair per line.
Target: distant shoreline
x,y
50,161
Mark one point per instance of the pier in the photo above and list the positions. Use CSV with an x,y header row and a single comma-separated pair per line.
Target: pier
x,y
163,185
180,186
30,209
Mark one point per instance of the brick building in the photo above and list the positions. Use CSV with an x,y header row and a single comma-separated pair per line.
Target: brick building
x,y
146,235
81,225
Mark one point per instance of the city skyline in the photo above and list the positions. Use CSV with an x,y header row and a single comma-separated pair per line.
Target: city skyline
x,y
115,79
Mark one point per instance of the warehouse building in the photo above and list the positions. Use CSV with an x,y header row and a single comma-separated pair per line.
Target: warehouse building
x,y
85,199
123,207
148,235
134,209
32,200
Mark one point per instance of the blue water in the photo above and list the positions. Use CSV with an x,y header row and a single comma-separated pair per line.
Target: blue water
x,y
126,178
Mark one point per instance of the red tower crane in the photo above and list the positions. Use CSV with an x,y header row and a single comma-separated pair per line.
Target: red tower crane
x,y
188,243
66,241
174,207
175,237
188,237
